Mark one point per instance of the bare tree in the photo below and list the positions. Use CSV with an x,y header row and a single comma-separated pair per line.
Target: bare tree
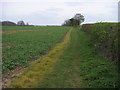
x,y
21,23
27,24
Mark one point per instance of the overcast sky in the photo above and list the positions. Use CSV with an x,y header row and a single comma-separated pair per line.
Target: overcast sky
x,y
55,12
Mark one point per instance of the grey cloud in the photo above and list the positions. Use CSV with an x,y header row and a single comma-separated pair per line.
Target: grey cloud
x,y
54,9
73,3
55,13
43,17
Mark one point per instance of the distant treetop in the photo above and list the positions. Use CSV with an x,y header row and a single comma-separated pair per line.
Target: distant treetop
x,y
75,21
21,23
9,23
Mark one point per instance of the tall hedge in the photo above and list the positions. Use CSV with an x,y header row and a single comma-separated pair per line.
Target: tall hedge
x,y
104,37
87,28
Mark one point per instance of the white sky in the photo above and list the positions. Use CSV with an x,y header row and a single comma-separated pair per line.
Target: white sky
x,y
55,12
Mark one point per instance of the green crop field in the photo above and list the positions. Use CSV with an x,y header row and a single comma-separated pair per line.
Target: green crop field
x,y
59,44
24,44
67,57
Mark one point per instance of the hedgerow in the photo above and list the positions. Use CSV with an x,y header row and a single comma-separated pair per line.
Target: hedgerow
x,y
104,38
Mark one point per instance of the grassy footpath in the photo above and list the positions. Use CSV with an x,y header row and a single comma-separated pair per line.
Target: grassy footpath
x,y
80,67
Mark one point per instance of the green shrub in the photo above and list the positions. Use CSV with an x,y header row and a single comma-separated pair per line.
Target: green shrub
x,y
87,28
104,38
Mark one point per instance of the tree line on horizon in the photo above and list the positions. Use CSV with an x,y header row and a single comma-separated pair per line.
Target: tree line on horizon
x,y
74,21
9,23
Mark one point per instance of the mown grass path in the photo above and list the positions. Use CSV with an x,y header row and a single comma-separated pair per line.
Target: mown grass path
x,y
67,71
71,64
